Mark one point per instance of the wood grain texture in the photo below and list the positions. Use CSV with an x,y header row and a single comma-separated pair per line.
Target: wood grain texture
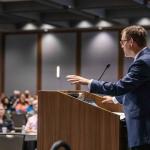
x,y
81,125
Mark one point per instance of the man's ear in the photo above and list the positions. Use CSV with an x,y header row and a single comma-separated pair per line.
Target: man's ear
x,y
131,42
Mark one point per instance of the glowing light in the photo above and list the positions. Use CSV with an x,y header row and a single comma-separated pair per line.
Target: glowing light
x,y
84,24
29,26
46,27
144,21
52,44
58,72
104,23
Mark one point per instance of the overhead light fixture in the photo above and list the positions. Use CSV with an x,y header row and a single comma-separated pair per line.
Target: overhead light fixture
x,y
143,21
46,27
29,26
84,24
103,23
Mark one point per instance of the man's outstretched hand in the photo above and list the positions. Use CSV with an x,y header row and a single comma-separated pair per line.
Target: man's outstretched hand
x,y
74,79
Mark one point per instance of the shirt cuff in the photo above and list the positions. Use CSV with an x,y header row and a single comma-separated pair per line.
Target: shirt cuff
x,y
114,100
89,85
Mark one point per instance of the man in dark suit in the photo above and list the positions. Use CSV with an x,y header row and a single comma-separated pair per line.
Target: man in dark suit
x,y
132,91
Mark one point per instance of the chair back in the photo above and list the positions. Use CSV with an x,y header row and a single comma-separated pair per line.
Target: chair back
x,y
10,141
19,120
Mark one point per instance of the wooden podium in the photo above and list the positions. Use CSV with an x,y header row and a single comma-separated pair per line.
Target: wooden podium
x,y
62,116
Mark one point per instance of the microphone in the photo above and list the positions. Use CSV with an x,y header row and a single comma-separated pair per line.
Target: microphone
x,y
108,65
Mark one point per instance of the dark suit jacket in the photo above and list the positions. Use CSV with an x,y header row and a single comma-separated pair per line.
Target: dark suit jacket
x,y
133,92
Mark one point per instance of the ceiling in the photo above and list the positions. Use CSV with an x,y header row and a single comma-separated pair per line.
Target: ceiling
x,y
68,13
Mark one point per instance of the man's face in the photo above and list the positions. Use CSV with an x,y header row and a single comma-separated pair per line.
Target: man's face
x,y
125,45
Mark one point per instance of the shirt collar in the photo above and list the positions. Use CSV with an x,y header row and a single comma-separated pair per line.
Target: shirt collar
x,y
136,56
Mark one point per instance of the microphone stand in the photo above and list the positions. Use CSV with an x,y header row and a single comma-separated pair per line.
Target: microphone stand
x,y
104,71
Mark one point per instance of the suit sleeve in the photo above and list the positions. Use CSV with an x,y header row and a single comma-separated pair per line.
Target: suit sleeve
x,y
137,75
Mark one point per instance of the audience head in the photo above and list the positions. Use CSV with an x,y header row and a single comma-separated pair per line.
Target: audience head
x,y
2,95
35,105
30,100
35,97
2,111
5,101
22,99
27,93
16,93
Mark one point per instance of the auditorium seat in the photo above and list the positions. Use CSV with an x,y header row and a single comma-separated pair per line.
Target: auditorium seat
x,y
11,141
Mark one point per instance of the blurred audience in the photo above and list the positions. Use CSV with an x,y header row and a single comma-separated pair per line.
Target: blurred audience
x,y
28,95
4,121
21,104
7,106
2,95
31,125
30,110
13,98
5,101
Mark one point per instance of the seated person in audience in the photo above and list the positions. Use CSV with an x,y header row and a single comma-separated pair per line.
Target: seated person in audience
x,y
6,103
28,95
30,110
2,95
21,104
7,106
4,122
31,125
35,97
15,96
